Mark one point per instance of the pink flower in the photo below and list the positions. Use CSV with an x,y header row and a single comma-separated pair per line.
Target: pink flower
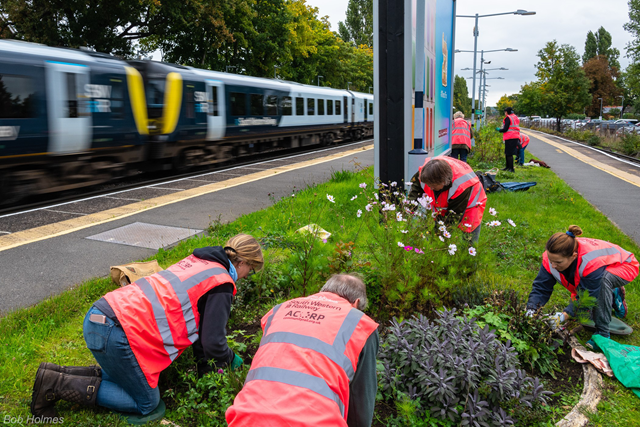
x,y
408,248
324,240
472,251
419,251
220,371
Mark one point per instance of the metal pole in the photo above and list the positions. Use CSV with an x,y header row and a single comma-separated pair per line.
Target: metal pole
x,y
475,55
484,99
480,80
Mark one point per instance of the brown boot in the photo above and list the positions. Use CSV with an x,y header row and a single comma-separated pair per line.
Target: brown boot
x,y
51,386
81,371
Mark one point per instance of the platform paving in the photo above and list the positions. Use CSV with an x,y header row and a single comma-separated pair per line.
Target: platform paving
x,y
49,265
610,185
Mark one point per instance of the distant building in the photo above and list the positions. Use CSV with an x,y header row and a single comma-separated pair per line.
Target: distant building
x,y
607,109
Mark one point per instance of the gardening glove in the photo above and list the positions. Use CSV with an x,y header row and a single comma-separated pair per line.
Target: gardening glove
x,y
498,128
530,313
555,321
236,363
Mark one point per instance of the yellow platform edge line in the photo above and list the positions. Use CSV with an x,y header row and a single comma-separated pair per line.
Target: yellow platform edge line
x,y
625,176
49,231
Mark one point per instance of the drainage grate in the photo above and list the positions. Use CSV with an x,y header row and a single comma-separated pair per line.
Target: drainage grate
x,y
145,235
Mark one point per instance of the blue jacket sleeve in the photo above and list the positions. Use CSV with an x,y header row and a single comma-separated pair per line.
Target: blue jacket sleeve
x,y
541,290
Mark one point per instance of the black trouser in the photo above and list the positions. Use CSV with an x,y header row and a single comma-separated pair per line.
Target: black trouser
x,y
510,150
459,153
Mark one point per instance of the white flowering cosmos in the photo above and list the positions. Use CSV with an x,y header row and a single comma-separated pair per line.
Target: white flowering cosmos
x,y
442,228
401,244
359,213
441,238
399,217
472,251
494,224
330,198
394,183
493,211
354,197
446,234
511,223
404,231
368,207
375,195
452,249
363,185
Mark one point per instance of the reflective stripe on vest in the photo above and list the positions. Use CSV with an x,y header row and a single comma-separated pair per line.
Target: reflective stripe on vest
x,y
514,129
524,140
460,181
297,379
590,256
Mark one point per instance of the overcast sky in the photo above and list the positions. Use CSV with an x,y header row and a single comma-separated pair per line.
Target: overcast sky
x,y
566,21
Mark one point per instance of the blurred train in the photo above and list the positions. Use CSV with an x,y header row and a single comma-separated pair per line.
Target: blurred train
x,y
72,118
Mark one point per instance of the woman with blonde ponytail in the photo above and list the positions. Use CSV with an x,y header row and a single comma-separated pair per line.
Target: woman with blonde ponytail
x,y
582,264
137,331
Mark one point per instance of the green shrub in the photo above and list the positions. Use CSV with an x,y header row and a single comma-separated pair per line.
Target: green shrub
x,y
457,371
489,146
630,143
593,140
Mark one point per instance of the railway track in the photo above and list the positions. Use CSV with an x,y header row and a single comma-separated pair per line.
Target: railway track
x,y
140,181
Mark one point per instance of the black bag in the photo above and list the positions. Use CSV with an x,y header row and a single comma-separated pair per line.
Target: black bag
x,y
489,182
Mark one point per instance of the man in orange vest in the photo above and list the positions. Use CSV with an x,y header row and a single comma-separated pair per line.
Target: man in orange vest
x,y
511,137
457,194
524,141
601,268
461,135
137,331
316,364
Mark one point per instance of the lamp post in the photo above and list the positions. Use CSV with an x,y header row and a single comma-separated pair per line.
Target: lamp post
x,y
481,69
600,108
320,77
622,109
226,69
475,45
275,67
348,83
370,87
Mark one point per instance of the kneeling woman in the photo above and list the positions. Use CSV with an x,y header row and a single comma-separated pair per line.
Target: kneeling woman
x,y
137,331
599,267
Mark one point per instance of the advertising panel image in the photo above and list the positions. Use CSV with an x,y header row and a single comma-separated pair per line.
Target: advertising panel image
x,y
444,22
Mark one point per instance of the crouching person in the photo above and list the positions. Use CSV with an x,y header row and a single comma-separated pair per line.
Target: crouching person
x,y
137,331
316,364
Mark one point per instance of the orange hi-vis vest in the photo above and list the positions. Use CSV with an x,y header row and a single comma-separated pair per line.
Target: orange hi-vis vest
x,y
159,313
307,358
514,128
592,255
524,140
463,178
461,133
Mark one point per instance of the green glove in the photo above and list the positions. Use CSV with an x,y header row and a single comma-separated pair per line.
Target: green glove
x,y
236,363
498,129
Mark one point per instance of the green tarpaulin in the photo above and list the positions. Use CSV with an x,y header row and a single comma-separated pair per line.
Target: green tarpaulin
x,y
624,361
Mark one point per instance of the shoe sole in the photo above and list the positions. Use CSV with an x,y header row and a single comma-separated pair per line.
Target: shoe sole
x,y
36,387
623,291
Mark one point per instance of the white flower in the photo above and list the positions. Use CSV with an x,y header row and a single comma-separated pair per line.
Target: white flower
x,y
395,193
472,251
404,231
330,198
511,223
389,208
393,184
442,228
440,223
398,217
493,211
368,208
359,213
375,195
468,225
424,201
494,224
452,249
401,244
363,185
434,215
446,234
293,195
441,238
354,197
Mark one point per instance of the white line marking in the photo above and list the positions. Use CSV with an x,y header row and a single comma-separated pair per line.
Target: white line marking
x,y
5,232
68,213
169,189
590,148
122,198
178,180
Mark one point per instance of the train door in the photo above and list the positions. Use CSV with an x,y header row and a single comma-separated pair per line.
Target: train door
x,y
216,117
353,110
345,104
365,110
69,117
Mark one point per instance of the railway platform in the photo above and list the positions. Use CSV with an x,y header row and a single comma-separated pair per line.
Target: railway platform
x,y
609,183
48,250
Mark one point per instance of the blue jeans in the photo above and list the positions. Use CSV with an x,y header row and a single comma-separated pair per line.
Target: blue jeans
x,y
520,158
124,387
601,313
459,153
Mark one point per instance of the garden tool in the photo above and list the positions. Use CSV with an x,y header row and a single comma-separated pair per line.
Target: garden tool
x,y
51,386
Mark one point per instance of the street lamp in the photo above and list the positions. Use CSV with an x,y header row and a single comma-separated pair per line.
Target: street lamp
x,y
622,109
600,108
275,67
320,77
226,69
348,83
476,33
370,87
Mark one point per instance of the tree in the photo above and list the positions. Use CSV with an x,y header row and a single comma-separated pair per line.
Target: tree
x,y
602,81
358,27
599,44
564,85
633,26
461,100
530,100
506,101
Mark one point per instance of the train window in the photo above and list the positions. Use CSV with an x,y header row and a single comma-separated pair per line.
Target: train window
x,y
213,103
271,105
191,103
321,107
117,99
371,108
299,106
71,100
330,107
286,106
338,109
16,97
311,106
238,104
155,92
257,104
